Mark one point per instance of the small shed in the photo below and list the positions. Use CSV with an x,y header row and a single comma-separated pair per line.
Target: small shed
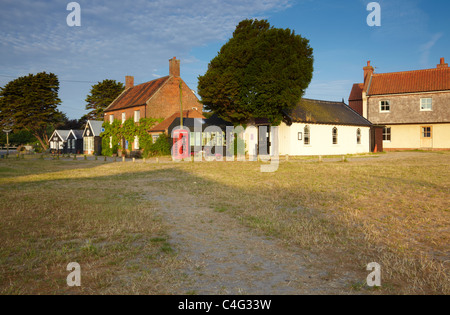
x,y
58,141
75,142
92,142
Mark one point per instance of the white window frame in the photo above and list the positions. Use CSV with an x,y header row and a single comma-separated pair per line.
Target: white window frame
x,y
335,136
386,134
385,103
136,143
422,109
358,136
124,117
111,119
307,135
137,116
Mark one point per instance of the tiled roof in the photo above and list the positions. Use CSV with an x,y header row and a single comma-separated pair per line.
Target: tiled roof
x,y
356,93
137,95
96,126
163,126
78,134
429,80
325,112
62,134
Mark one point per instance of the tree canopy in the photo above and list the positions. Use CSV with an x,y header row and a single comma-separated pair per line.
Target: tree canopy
x,y
100,97
30,103
259,72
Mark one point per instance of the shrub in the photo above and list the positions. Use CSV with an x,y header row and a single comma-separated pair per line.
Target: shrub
x,y
162,146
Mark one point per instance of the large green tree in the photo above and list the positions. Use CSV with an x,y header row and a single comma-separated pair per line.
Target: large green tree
x,y
259,72
30,103
100,97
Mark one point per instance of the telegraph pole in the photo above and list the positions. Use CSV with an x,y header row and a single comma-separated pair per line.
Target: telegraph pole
x,y
181,103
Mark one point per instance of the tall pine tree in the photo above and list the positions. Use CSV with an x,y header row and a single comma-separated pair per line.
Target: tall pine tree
x,y
100,97
30,103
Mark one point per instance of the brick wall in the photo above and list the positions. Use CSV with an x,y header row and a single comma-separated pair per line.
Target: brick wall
x,y
166,101
357,106
129,113
405,109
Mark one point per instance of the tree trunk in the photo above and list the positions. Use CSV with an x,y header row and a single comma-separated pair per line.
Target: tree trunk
x,y
43,144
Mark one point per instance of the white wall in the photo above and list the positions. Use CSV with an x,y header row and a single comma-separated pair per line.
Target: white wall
x,y
408,136
321,140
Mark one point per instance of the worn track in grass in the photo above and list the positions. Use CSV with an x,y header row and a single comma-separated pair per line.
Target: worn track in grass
x,y
223,257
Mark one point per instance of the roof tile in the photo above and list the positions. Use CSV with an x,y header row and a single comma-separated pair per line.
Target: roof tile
x,y
137,95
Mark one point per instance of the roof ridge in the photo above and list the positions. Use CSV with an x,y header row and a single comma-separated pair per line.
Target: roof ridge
x,y
167,76
411,71
323,101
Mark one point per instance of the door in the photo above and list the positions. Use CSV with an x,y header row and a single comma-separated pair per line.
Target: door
x,y
89,141
264,140
426,137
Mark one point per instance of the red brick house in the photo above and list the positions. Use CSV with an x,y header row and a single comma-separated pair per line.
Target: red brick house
x,y
412,107
160,98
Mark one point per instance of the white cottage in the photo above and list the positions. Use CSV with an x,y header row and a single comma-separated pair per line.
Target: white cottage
x,y
314,127
58,141
92,142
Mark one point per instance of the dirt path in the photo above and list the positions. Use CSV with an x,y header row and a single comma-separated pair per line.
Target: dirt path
x,y
223,257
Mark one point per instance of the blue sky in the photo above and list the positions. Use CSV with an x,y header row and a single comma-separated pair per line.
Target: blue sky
x,y
138,37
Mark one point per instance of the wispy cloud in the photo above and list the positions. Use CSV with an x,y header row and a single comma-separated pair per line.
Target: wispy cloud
x,y
426,48
116,37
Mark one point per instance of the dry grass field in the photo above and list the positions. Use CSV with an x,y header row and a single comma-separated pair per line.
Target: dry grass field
x,y
390,208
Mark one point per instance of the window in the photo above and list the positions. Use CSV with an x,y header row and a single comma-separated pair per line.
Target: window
x,y
111,119
426,132
136,143
426,104
335,135
358,136
124,117
137,115
307,135
385,106
387,134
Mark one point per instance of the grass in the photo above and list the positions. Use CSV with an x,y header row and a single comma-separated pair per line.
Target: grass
x,y
390,210
51,218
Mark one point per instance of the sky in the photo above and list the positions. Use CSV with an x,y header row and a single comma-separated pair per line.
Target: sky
x,y
138,37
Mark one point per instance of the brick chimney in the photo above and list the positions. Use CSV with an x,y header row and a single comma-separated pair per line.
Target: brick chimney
x,y
129,82
368,71
174,67
442,64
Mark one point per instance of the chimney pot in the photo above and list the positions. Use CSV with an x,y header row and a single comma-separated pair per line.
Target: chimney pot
x,y
442,64
129,82
174,67
368,71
